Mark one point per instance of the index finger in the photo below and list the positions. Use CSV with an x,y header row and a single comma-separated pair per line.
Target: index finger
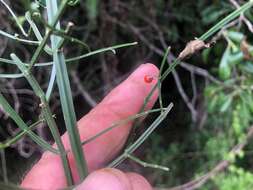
x,y
124,101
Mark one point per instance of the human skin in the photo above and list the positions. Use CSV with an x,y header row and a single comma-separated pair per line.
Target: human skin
x,y
123,101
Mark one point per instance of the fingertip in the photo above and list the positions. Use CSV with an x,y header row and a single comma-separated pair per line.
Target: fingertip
x,y
132,92
114,179
138,182
107,178
152,67
124,101
147,69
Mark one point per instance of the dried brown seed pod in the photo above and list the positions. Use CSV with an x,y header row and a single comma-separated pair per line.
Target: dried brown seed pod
x,y
193,47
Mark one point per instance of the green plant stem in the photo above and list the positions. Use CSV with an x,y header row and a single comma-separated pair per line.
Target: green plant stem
x,y
147,165
115,125
71,39
63,34
120,123
67,29
159,83
21,124
113,48
14,37
19,136
226,20
15,18
12,76
37,32
48,33
65,94
48,116
73,59
146,100
130,149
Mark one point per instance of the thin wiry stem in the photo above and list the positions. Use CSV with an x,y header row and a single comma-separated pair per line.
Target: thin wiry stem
x,y
15,37
48,116
73,59
121,122
226,20
36,31
22,125
130,149
145,164
19,136
15,18
160,74
61,33
48,33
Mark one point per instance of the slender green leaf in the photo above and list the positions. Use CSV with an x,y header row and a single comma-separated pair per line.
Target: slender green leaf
x,y
226,104
65,94
224,68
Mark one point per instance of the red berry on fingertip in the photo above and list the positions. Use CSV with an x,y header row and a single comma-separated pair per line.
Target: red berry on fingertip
x,y
148,79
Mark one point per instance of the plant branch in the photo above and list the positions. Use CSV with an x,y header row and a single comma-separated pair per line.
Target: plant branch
x,y
15,18
131,148
48,33
65,90
19,136
48,116
21,124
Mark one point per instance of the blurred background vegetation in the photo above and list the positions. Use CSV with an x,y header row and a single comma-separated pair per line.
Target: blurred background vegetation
x,y
206,140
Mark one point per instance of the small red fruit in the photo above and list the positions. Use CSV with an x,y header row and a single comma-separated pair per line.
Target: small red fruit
x,y
148,79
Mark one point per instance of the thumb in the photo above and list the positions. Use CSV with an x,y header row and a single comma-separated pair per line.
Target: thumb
x,y
114,179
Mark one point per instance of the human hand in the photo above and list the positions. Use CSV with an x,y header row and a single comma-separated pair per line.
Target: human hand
x,y
124,101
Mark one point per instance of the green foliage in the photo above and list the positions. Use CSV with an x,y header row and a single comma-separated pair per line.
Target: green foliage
x,y
232,101
234,178
215,11
165,155
233,98
193,150
229,105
